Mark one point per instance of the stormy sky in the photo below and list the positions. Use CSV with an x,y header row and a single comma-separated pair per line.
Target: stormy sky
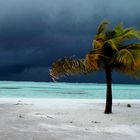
x,y
34,33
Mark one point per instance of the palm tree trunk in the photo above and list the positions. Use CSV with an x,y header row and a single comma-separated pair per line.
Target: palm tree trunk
x,y
108,107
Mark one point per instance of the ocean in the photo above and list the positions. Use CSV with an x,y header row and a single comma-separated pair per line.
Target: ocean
x,y
10,89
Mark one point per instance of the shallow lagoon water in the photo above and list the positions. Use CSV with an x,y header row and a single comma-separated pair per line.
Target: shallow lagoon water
x,y
66,90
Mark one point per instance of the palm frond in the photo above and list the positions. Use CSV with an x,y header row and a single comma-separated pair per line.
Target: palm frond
x,y
137,70
126,69
127,33
111,44
102,27
133,48
127,62
130,33
94,58
100,36
68,66
98,41
124,56
118,28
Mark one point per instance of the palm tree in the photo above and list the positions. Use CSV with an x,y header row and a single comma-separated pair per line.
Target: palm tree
x,y
113,49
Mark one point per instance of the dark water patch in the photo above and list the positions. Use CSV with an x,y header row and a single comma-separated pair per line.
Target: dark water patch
x,y
9,88
60,92
71,93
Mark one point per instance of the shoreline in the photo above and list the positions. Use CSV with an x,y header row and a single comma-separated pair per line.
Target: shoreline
x,y
68,119
66,100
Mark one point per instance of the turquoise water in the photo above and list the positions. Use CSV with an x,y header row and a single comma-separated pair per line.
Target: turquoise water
x,y
66,90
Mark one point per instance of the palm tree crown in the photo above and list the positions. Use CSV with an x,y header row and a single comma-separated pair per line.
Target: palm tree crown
x,y
110,50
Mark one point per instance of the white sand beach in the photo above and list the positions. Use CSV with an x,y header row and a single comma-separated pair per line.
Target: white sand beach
x,y
68,119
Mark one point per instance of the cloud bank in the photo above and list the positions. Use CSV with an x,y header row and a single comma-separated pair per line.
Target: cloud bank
x,y
35,33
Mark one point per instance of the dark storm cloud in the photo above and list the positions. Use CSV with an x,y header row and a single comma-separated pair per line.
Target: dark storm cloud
x,y
34,33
